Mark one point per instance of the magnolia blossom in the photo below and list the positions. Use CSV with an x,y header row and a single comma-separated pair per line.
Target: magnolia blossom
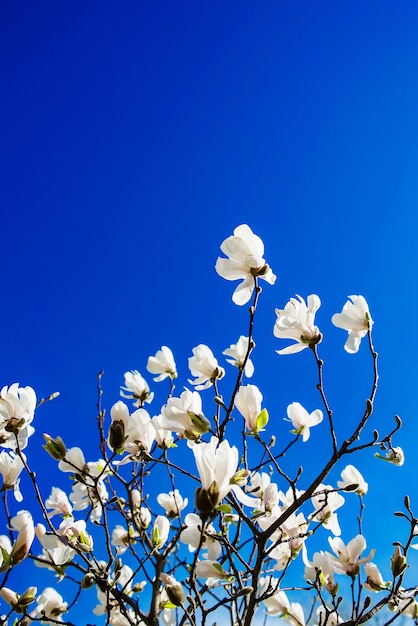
x,y
404,602
172,502
356,319
74,461
348,559
184,415
296,321
351,476
301,420
330,618
18,602
162,364
83,496
163,438
211,570
55,552
374,580
5,549
122,538
216,465
140,435
326,501
70,533
238,352
173,589
59,503
248,402
277,603
160,531
50,604
23,523
11,466
320,570
17,408
192,535
245,262
137,388
205,367
395,456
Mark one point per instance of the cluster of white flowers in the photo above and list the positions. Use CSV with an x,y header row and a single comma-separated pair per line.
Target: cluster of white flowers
x,y
241,519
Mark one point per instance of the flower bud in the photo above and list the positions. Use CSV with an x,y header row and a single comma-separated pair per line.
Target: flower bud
x,y
117,436
174,589
207,499
27,597
55,447
88,581
398,562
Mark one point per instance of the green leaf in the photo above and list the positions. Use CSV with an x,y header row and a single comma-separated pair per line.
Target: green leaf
x,y
261,420
224,508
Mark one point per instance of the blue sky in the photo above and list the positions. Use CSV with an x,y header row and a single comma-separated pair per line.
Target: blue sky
x,y
137,137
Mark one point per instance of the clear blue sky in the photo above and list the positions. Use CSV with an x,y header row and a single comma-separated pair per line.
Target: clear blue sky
x,y
137,135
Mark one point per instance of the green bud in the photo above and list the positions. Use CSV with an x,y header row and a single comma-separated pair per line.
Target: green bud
x,y
175,593
55,447
398,562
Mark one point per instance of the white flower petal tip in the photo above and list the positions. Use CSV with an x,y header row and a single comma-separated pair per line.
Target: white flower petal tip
x,y
355,318
245,262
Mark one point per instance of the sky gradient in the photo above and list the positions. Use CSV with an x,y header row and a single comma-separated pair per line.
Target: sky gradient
x,y
137,137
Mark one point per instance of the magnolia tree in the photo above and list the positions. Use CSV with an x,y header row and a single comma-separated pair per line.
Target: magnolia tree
x,y
233,536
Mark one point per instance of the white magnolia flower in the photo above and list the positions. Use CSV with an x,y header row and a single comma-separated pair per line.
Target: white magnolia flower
x,y
211,570
6,547
172,502
356,319
191,535
23,523
163,438
184,415
74,461
393,455
277,603
216,465
17,408
374,580
50,604
245,261
330,618
140,434
320,569
348,559
18,601
11,466
326,501
296,321
351,476
137,388
162,364
59,503
301,420
70,533
160,531
83,496
205,367
122,538
248,402
237,352
404,602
